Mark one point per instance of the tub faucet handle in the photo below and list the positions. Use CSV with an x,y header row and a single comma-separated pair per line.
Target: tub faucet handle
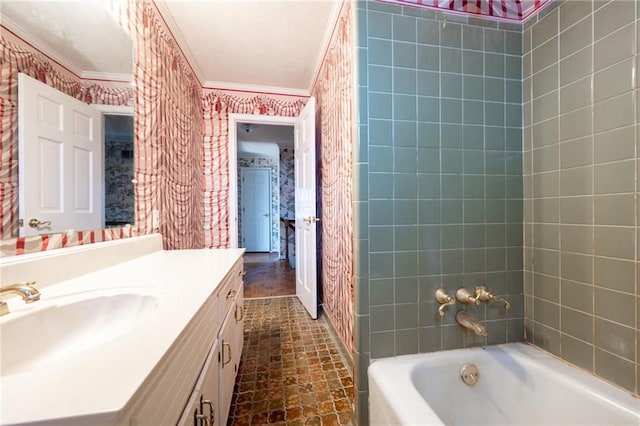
x,y
465,296
444,299
482,293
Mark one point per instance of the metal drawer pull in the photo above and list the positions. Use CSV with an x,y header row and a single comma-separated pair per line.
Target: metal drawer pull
x,y
231,294
241,313
242,273
229,360
207,422
211,410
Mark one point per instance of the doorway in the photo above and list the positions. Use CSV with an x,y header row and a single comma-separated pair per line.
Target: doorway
x,y
119,170
266,195
306,216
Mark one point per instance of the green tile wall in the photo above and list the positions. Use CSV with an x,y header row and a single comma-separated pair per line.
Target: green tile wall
x,y
439,188
581,237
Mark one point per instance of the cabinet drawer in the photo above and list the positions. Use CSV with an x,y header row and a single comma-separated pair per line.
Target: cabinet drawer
x,y
229,289
191,411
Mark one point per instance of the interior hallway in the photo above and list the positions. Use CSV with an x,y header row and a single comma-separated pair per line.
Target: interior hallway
x,y
291,371
268,276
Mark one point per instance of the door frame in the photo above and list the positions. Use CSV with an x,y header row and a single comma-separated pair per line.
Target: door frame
x,y
233,121
114,110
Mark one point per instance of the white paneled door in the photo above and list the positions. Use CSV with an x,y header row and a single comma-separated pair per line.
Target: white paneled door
x,y
305,208
60,161
256,208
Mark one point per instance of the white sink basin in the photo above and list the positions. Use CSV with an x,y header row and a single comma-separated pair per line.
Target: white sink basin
x,y
50,330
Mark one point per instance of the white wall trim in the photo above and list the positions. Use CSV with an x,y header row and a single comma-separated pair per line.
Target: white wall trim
x,y
114,109
47,51
234,119
330,28
255,88
108,77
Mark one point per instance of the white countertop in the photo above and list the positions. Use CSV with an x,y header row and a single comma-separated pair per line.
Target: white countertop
x,y
96,385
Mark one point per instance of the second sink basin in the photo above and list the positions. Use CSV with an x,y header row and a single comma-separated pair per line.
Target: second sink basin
x,y
48,330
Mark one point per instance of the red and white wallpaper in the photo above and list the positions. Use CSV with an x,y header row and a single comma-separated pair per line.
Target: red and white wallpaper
x,y
517,10
334,92
168,133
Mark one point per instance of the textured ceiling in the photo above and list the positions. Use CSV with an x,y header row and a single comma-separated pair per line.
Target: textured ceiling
x,y
265,45
80,34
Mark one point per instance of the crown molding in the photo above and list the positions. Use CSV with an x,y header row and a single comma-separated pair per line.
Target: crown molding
x,y
107,76
254,88
174,30
54,55
332,24
26,37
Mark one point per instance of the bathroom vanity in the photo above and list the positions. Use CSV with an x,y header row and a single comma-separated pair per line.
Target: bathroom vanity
x,y
124,333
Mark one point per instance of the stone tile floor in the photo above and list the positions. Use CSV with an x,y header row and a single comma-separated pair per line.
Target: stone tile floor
x,y
291,372
268,278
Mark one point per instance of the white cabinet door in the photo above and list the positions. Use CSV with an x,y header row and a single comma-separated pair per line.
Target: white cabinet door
x,y
239,326
202,407
228,368
210,401
60,157
190,414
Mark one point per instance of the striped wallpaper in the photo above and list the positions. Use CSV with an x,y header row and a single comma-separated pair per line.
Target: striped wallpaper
x,y
334,117
516,10
168,133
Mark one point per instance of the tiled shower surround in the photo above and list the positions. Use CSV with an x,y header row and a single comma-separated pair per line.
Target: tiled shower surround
x,y
580,173
446,199
439,191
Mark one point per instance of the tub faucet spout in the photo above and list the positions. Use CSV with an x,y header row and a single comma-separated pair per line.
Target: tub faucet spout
x,y
467,320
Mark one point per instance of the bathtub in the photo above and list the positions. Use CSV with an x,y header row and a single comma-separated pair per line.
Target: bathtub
x,y
517,384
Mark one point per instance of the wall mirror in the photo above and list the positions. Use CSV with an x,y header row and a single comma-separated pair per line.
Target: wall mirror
x,y
86,39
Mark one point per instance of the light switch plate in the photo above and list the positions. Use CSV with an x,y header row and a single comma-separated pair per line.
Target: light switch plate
x,y
156,218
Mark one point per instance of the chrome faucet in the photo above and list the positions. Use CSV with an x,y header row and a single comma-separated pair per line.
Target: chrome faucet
x,y
467,320
26,290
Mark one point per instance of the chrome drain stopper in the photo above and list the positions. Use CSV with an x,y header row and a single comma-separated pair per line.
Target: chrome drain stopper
x,y
469,374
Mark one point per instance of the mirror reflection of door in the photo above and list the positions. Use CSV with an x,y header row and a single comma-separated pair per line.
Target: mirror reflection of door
x,y
60,161
255,208
119,170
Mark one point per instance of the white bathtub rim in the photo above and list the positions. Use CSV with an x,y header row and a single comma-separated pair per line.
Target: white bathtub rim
x,y
397,396
404,366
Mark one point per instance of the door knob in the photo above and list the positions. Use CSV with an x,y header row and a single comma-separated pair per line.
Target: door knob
x,y
309,220
35,223
266,215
